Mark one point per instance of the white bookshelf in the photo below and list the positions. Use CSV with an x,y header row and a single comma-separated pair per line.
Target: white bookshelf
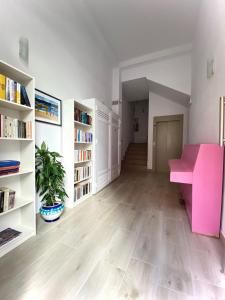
x,y
22,217
69,145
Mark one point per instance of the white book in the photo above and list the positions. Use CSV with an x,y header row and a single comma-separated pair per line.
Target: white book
x,y
7,88
6,198
12,90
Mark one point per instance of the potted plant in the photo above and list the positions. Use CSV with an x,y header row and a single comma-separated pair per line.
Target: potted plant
x,y
49,183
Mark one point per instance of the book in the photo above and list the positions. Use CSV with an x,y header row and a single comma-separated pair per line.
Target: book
x,y
15,170
9,163
7,88
24,96
1,201
18,92
11,199
5,190
82,117
10,90
14,128
7,235
2,87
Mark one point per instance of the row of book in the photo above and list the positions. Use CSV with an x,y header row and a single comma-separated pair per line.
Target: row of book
x,y
82,117
8,234
13,91
9,166
82,136
14,128
81,191
82,155
7,199
82,173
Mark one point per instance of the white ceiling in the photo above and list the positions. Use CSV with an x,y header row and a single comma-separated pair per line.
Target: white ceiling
x,y
138,27
138,89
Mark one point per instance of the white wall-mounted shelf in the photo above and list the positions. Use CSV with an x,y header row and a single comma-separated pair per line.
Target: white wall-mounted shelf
x,y
19,203
26,233
82,162
82,180
15,139
21,172
82,124
23,216
81,200
14,106
88,143
69,145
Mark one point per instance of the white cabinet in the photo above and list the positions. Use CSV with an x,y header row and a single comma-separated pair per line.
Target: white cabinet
x,y
106,148
115,145
102,144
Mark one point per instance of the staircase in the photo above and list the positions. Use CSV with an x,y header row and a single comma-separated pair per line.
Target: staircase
x,y
136,157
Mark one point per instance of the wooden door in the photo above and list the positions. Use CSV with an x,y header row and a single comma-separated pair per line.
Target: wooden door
x,y
168,141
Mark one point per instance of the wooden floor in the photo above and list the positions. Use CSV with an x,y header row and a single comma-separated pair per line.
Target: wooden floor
x,y
131,241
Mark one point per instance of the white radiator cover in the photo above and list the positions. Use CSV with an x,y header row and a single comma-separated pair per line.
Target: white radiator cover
x,y
106,148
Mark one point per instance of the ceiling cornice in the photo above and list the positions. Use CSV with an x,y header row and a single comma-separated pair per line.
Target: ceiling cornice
x,y
187,48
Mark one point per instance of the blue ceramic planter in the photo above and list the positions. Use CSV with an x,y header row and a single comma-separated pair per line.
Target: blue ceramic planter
x,y
52,213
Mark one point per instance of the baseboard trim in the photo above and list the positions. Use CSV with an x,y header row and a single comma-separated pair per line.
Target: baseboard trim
x,y
222,237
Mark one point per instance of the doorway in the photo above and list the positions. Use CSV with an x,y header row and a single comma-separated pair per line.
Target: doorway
x,y
167,141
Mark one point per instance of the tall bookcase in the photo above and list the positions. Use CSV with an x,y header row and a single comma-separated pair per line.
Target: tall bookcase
x,y
22,216
70,145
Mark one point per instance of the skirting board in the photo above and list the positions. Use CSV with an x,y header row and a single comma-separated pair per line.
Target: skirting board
x,y
223,259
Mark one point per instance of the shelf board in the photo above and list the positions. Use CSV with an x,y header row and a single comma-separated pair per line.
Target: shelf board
x,y
15,139
26,233
21,172
81,200
89,143
82,162
19,203
82,124
14,106
84,179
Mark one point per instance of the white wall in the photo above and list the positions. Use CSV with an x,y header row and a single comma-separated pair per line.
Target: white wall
x,y
141,113
209,43
127,125
173,72
159,106
68,56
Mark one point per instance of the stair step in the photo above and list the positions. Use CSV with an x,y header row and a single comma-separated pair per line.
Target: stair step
x,y
137,151
135,167
136,163
136,156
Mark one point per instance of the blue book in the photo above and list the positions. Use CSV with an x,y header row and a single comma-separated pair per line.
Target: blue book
x,y
9,163
24,96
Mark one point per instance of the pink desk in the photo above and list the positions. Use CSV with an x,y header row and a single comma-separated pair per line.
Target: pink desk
x,y
200,172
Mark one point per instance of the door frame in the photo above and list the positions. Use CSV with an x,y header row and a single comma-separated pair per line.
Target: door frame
x,y
166,118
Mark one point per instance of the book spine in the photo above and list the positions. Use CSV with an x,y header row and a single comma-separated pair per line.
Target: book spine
x,y
1,201
11,201
7,88
6,199
2,87
18,93
24,96
11,90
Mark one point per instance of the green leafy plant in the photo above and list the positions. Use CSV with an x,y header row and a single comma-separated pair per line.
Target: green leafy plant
x,y
49,176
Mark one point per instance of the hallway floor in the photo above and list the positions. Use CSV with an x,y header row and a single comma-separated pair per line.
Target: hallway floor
x,y
131,241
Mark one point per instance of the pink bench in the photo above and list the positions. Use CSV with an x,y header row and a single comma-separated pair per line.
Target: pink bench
x,y
200,172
